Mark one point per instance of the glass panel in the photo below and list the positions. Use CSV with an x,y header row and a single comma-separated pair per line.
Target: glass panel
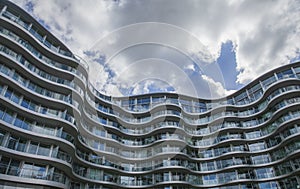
x,y
25,103
43,150
21,145
33,147
12,142
18,122
14,168
8,94
8,117
166,176
33,171
4,163
1,112
269,81
285,74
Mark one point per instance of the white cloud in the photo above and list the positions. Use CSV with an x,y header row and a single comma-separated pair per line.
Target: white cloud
x,y
190,67
264,33
216,88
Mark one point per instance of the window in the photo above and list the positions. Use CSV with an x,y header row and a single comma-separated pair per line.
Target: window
x,y
33,147
95,174
12,142
264,173
208,153
4,163
285,74
208,166
8,93
31,170
25,103
21,146
16,98
210,179
14,168
18,122
256,147
43,150
268,81
166,177
2,134
1,112
8,116
254,134
261,159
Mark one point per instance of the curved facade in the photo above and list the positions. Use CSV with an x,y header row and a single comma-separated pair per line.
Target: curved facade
x,y
57,131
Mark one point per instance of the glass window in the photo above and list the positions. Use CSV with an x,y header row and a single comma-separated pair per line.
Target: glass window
x,y
21,145
268,185
4,163
32,106
254,134
157,100
256,147
226,177
269,81
12,142
95,174
208,166
260,159
8,93
208,153
99,132
255,92
25,103
101,146
15,98
241,98
210,179
8,116
33,147
285,74
143,101
31,86
2,134
26,125
18,122
43,150
33,171
14,168
264,173
166,176
1,112
39,90
297,69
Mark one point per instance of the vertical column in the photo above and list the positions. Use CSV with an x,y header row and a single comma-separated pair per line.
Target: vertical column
x,y
5,139
29,27
261,85
248,96
3,10
44,39
3,90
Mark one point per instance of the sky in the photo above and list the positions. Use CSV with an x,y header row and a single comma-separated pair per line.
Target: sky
x,y
202,48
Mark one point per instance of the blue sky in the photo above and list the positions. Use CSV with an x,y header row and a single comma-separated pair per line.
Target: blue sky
x,y
205,48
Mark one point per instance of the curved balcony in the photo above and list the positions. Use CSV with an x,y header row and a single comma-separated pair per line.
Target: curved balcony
x,y
51,116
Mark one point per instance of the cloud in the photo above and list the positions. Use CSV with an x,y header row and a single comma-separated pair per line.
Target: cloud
x,y
190,67
264,35
150,86
216,88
